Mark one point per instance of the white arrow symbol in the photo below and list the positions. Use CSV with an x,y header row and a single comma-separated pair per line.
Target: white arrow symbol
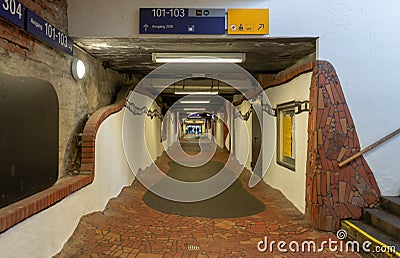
x,y
145,27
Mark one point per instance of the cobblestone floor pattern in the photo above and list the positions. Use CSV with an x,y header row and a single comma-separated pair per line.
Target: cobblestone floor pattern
x,y
129,228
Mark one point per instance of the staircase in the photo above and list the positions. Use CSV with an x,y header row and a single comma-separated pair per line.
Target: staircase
x,y
380,226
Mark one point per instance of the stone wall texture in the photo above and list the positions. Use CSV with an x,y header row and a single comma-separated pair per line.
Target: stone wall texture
x,y
23,55
334,193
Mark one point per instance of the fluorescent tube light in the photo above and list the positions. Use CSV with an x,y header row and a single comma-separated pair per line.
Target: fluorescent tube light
x,y
194,109
194,102
198,57
196,92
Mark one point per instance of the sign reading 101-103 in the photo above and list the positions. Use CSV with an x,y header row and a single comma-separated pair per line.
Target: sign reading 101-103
x,y
13,11
48,33
182,21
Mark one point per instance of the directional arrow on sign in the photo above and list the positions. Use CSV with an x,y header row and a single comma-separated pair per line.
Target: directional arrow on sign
x,y
261,26
145,27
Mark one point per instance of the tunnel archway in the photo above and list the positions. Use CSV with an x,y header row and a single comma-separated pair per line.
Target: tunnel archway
x,y
155,82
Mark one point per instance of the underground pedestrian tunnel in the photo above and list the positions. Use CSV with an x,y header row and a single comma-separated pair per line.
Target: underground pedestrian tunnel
x,y
198,154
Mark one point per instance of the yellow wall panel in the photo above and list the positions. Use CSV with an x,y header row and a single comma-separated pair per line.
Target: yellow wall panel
x,y
287,136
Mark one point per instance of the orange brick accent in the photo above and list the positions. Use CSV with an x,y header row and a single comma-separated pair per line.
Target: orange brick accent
x,y
89,135
334,193
19,211
268,81
23,209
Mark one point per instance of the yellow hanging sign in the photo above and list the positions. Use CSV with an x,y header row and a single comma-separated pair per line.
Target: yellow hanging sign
x,y
248,21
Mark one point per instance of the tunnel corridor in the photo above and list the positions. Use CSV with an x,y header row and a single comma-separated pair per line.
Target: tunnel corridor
x,y
215,129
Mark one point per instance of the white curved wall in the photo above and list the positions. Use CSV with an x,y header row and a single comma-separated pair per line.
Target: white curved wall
x,y
45,233
291,183
141,135
243,136
172,134
153,134
219,132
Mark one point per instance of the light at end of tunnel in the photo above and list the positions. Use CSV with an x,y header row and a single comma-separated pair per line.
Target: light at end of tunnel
x,y
78,69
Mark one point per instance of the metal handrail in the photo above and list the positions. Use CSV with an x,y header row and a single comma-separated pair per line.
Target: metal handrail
x,y
370,147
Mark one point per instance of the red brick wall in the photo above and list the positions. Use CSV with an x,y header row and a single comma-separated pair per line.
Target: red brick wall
x,y
334,193
15,39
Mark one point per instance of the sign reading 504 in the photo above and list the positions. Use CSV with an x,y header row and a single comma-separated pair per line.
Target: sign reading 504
x,y
13,11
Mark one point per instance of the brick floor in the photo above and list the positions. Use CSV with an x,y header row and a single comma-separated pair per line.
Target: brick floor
x,y
129,228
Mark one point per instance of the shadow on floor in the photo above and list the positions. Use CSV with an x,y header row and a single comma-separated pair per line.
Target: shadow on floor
x,y
234,202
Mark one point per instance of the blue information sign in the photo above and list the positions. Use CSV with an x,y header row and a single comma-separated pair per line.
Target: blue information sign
x,y
46,32
13,11
182,21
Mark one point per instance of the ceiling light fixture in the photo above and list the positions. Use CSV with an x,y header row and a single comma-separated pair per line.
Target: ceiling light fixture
x,y
196,92
78,69
198,57
194,102
194,109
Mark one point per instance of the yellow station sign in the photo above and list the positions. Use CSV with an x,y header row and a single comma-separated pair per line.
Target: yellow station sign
x,y
248,21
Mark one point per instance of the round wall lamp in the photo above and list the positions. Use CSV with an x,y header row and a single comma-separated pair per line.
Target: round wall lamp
x,y
77,69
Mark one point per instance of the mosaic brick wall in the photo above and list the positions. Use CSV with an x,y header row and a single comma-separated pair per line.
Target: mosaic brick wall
x,y
334,193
